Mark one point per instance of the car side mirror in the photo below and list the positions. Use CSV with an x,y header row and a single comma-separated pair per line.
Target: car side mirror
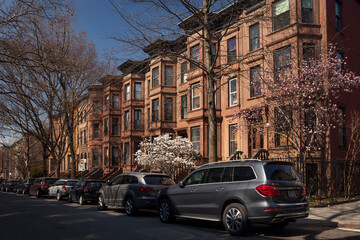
x,y
181,184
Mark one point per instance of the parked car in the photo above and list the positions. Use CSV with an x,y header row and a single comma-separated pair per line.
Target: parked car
x,y
2,185
237,193
17,187
85,191
11,185
24,187
61,188
41,186
133,191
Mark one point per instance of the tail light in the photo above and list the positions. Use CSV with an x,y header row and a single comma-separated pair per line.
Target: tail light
x,y
43,186
271,209
63,187
303,192
147,189
26,184
268,191
86,190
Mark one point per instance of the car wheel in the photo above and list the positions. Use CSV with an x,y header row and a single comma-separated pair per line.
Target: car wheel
x,y
101,205
58,196
235,219
130,206
81,200
279,225
38,194
6,190
23,191
166,212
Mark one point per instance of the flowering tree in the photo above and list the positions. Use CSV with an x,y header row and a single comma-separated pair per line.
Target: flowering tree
x,y
166,155
300,104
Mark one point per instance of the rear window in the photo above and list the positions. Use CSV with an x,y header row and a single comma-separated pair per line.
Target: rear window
x,y
94,184
280,171
71,183
50,181
158,180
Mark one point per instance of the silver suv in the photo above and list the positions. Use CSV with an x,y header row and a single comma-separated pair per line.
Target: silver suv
x,y
237,193
133,191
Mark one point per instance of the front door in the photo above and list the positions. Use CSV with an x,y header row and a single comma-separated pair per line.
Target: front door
x,y
256,139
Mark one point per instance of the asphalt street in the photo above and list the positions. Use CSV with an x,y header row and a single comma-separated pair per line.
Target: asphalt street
x,y
24,217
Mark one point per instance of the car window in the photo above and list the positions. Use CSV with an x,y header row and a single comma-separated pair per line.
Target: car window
x,y
37,181
94,185
133,180
79,184
59,182
125,179
195,178
214,175
280,171
31,180
117,180
71,183
158,180
50,181
243,173
228,174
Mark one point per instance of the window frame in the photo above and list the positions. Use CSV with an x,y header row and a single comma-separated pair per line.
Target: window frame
x,y
115,101
127,92
193,86
169,76
183,70
137,92
231,53
338,15
232,140
115,126
254,41
127,120
197,141
106,127
231,93
194,55
155,110
282,19
307,13
184,108
137,122
155,77
255,83
168,112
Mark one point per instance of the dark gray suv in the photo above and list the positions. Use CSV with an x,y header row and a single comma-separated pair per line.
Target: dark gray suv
x,y
237,193
133,191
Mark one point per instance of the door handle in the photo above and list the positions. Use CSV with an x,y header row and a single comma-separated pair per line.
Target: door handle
x,y
193,190
220,189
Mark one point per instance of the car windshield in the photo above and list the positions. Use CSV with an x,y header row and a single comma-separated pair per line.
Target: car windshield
x,y
158,180
280,171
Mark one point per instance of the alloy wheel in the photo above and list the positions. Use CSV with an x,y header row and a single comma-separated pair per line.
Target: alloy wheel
x,y
234,219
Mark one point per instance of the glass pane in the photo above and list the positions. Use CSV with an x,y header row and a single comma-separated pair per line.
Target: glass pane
x,y
307,3
233,86
281,7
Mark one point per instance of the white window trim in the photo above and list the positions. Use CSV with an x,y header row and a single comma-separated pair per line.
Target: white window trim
x,y
196,85
231,93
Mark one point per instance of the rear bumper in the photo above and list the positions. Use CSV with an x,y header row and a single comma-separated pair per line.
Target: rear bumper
x,y
146,202
90,197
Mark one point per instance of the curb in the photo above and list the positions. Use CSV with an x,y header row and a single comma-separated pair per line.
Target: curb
x,y
335,203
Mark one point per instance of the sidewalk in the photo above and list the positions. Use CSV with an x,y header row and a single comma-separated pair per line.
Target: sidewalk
x,y
345,215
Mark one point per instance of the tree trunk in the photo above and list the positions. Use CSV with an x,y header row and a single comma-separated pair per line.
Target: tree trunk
x,y
45,159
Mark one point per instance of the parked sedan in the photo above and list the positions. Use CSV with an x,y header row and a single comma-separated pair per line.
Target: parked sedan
x,y
85,191
24,187
11,185
3,184
61,188
133,191
41,186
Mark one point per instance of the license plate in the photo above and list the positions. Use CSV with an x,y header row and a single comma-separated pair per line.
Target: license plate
x,y
291,194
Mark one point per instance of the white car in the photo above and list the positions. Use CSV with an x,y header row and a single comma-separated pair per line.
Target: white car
x,y
61,188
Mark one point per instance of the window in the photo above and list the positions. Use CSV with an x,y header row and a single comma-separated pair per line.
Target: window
x,y
283,124
126,120
148,88
106,102
168,108
183,72
310,123
127,92
282,64
137,119
115,126
307,11
338,15
106,127
137,91
85,137
308,51
196,177
115,102
183,106
168,75
195,138
155,77
195,96
115,156
126,153
255,81
106,157
232,92
148,117
281,14
243,174
155,110
95,160
95,131
232,140
214,175
228,174
96,106
342,127
136,146
231,50
195,56
340,57
213,53
254,37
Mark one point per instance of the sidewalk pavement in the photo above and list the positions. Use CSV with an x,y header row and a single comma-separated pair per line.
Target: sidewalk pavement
x,y
345,215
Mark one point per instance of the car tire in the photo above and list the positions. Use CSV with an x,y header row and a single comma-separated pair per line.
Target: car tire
x,y
166,211
101,204
81,200
23,192
6,189
130,207
235,219
58,196
279,225
38,194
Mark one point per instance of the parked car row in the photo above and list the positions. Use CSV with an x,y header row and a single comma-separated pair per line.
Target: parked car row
x,y
236,193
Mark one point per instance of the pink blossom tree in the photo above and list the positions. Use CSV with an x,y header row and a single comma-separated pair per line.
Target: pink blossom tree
x,y
166,155
300,105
